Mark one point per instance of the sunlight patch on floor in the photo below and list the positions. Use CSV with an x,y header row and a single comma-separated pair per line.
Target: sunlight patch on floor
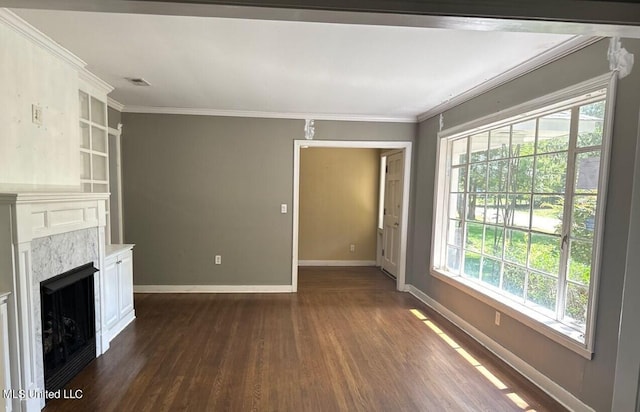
x,y
418,314
512,396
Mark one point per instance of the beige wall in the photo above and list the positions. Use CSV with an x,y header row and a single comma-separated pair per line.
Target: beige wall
x,y
338,203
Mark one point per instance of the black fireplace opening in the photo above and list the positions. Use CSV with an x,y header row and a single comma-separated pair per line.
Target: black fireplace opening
x,y
68,325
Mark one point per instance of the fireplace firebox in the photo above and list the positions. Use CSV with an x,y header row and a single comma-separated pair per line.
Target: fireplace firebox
x,y
68,325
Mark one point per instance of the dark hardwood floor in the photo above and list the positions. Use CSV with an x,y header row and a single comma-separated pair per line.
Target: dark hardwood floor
x,y
347,341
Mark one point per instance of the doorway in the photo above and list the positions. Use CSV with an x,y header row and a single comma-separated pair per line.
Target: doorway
x,y
400,147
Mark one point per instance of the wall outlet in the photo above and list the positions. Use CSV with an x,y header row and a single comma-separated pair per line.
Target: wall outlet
x,y
218,259
352,248
283,208
36,114
497,320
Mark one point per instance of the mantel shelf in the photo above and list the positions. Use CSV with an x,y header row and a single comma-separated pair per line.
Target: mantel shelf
x,y
42,197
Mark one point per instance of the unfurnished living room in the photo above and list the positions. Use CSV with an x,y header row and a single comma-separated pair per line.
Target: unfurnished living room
x,y
367,205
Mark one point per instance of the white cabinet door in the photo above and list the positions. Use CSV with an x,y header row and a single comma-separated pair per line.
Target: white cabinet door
x,y
111,292
125,272
118,292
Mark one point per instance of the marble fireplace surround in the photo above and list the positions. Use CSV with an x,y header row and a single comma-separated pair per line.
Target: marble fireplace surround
x,y
51,256
51,233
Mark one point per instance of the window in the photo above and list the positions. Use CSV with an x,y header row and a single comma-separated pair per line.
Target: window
x,y
521,208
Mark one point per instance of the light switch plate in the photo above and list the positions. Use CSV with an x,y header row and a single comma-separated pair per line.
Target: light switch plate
x,y
283,208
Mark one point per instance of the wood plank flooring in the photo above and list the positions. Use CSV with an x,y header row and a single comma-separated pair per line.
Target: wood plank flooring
x,y
347,341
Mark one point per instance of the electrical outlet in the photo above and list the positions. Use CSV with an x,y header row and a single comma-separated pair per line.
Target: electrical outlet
x,y
218,260
283,208
352,248
497,320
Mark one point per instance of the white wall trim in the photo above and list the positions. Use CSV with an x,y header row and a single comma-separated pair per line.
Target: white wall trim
x,y
212,289
532,374
114,104
563,49
336,263
36,36
404,224
268,115
120,325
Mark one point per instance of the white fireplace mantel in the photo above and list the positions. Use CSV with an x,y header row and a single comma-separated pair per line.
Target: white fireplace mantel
x,y
25,217
46,214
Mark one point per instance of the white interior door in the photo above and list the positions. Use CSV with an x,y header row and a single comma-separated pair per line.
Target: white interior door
x,y
392,213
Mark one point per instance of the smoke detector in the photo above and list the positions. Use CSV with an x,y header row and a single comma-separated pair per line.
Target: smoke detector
x,y
138,81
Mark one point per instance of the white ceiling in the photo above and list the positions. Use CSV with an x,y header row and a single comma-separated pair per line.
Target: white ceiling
x,y
285,67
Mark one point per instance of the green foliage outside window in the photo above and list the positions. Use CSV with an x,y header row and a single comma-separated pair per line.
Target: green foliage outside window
x,y
509,183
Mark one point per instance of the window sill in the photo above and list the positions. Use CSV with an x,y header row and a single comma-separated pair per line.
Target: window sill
x,y
550,328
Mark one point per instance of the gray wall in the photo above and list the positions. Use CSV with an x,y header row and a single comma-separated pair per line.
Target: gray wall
x,y
197,186
114,117
590,381
627,383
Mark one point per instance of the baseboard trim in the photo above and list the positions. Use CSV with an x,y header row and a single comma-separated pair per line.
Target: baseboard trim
x,y
336,263
540,380
119,327
212,289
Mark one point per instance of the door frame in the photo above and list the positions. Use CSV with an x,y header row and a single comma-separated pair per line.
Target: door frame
x,y
351,144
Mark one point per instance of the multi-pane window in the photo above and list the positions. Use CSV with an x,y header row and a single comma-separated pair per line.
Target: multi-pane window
x,y
521,210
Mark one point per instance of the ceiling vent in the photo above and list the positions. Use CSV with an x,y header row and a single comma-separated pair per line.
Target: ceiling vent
x,y
138,81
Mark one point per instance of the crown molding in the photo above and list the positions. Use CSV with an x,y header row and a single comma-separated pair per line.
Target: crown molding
x,y
114,104
96,82
267,115
563,49
14,21
34,35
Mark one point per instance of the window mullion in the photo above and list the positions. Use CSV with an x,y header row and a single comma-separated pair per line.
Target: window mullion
x,y
504,215
567,214
486,196
447,191
465,199
533,182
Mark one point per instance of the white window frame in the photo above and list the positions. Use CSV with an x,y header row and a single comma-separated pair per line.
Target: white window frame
x,y
550,328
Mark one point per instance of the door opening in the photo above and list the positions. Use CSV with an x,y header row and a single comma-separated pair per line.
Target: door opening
x,y
401,229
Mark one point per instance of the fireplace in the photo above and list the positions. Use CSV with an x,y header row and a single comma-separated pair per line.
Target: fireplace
x,y
50,234
68,325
